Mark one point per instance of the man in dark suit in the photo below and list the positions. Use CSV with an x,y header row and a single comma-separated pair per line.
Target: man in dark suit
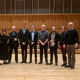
x,y
13,44
33,43
53,44
24,38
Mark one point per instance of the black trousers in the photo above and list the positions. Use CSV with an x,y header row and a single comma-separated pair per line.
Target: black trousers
x,y
24,53
53,50
64,57
10,53
63,54
35,52
43,48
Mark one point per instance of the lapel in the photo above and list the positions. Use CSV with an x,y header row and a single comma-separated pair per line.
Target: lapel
x,y
55,35
22,31
34,33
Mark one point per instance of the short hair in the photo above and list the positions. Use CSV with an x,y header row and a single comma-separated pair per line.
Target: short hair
x,y
43,25
3,30
71,23
63,27
32,25
24,23
13,26
54,27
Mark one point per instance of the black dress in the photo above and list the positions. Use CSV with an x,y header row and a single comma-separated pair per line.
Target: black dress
x,y
4,40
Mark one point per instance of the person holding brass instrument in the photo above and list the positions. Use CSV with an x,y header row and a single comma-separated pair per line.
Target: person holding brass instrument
x,y
53,44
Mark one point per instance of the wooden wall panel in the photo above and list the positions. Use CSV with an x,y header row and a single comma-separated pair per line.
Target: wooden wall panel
x,y
1,23
6,21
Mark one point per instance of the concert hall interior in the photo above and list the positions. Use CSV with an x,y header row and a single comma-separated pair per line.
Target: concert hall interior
x,y
38,14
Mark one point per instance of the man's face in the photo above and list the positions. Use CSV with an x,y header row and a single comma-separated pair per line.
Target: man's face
x,y
62,29
43,27
32,28
70,25
24,25
13,28
4,33
53,29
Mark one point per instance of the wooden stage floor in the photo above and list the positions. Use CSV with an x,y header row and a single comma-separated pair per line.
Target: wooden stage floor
x,y
33,71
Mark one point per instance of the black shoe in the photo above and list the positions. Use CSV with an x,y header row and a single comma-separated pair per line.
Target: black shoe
x,y
9,62
56,64
22,62
30,62
0,64
25,62
50,63
5,63
72,67
67,66
63,65
16,61
47,64
35,62
40,62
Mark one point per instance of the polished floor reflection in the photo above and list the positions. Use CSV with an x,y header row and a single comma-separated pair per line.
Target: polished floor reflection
x,y
34,71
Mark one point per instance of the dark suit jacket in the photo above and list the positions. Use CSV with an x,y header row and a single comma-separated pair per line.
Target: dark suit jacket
x,y
11,39
62,38
24,37
0,40
56,39
35,37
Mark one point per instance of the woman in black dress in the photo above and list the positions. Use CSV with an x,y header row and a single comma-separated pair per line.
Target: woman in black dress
x,y
4,40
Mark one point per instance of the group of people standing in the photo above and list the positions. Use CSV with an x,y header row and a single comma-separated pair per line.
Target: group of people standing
x,y
67,41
